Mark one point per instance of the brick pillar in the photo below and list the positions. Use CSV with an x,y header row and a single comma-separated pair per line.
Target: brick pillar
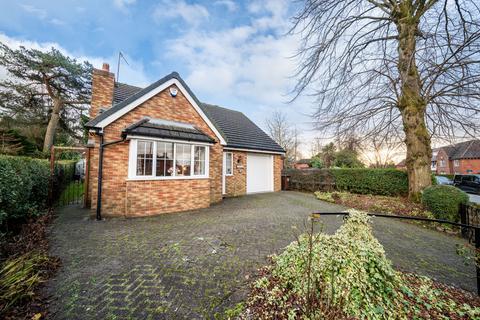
x,y
103,82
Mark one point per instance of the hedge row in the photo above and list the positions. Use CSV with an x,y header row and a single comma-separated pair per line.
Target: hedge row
x,y
389,182
24,185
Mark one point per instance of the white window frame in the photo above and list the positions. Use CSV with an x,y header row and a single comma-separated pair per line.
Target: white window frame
x,y
132,161
456,163
231,163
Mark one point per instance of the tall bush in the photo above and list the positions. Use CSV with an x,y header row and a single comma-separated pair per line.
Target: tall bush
x,y
24,185
444,201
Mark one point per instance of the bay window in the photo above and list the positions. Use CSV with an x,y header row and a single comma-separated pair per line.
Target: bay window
x,y
151,159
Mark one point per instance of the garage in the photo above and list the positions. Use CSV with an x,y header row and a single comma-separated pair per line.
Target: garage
x,y
259,173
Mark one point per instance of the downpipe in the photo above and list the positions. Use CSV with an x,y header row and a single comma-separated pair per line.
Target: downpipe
x,y
100,171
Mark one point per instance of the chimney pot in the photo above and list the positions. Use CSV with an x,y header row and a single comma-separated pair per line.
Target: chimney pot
x,y
106,67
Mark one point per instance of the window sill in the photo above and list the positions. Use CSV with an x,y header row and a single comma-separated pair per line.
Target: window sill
x,y
167,178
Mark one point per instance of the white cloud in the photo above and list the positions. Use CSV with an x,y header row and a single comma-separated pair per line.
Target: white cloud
x,y
246,67
229,4
122,5
40,13
57,22
134,71
192,14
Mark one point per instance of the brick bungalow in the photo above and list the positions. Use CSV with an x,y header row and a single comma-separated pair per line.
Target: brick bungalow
x,y
159,149
460,158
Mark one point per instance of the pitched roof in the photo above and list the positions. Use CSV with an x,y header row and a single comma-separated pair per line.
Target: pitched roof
x,y
236,128
463,150
122,91
239,131
158,128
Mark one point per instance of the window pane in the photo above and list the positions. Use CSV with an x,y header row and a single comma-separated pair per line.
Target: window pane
x,y
228,163
144,158
199,158
164,159
183,159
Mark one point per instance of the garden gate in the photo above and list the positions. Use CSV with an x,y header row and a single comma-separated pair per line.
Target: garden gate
x,y
68,175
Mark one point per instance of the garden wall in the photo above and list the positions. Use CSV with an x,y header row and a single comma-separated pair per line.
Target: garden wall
x,y
390,182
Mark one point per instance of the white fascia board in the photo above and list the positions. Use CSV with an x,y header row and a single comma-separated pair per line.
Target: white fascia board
x,y
105,122
253,150
133,137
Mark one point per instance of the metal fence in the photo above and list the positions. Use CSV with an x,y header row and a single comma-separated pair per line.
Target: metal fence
x,y
469,215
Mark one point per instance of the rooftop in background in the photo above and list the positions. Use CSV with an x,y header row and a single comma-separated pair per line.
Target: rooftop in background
x,y
463,150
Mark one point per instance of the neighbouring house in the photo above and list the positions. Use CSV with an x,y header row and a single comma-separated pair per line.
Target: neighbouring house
x,y
302,164
433,163
159,149
402,165
460,158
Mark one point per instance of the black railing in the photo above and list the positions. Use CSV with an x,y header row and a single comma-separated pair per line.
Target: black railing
x,y
463,226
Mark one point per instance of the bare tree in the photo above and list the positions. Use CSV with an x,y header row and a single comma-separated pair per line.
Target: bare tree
x,y
280,130
316,146
404,68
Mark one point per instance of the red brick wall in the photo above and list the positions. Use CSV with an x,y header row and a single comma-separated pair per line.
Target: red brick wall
x,y
277,172
447,167
122,197
469,164
236,185
102,91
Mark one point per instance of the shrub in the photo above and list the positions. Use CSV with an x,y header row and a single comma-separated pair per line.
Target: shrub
x,y
386,182
23,187
347,276
444,201
351,265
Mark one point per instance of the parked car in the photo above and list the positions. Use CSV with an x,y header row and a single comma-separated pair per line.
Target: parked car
x,y
468,182
443,180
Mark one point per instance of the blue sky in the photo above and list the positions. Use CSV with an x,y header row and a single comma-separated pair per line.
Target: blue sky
x,y
231,53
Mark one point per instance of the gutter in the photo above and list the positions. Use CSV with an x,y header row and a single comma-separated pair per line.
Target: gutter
x,y
100,171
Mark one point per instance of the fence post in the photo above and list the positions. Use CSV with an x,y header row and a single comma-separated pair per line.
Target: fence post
x,y
477,251
463,219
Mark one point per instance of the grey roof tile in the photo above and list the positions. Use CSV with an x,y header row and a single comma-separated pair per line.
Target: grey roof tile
x,y
464,150
239,130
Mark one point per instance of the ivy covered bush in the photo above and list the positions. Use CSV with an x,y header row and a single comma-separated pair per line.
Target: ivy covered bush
x,y
444,201
345,276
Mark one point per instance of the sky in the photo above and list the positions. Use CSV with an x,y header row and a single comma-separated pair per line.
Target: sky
x,y
235,54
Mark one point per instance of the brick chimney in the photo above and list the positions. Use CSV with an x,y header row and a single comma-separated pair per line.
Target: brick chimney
x,y
103,82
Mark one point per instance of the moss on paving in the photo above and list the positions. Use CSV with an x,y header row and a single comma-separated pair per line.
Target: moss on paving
x,y
196,265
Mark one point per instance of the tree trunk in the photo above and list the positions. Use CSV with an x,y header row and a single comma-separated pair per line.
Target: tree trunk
x,y
52,125
412,108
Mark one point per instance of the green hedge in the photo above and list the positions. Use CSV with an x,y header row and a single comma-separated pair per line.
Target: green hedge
x,y
390,182
24,185
444,201
387,182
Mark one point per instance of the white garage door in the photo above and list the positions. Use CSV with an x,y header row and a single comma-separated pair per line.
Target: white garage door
x,y
259,173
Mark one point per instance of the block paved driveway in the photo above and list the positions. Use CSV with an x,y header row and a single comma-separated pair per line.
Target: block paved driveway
x,y
196,264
